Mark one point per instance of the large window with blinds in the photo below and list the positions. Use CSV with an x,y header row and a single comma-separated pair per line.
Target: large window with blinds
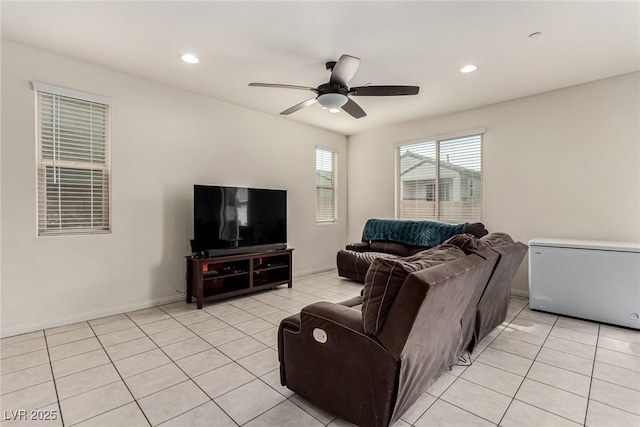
x,y
326,165
440,179
73,161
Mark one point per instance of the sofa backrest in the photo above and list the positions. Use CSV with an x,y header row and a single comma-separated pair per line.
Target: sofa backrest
x,y
488,308
494,303
422,328
386,276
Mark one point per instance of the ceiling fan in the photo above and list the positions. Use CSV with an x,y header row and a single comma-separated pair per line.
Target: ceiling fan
x,y
336,93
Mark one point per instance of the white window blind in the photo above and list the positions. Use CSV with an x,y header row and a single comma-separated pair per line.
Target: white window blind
x,y
326,159
73,162
440,180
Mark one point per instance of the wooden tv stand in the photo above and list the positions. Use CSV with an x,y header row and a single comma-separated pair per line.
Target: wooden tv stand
x,y
214,278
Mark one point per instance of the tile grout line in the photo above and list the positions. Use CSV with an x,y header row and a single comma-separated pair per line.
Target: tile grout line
x,y
534,360
20,342
188,379
53,378
121,378
593,368
608,382
235,361
619,352
615,384
528,370
29,367
256,376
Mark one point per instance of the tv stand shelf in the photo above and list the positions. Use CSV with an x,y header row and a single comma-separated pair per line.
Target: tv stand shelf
x,y
214,278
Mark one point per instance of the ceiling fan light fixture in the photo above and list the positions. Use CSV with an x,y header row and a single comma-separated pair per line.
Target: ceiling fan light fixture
x,y
332,100
189,58
332,110
468,69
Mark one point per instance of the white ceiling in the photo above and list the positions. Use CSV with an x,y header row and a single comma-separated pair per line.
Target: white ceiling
x,y
406,43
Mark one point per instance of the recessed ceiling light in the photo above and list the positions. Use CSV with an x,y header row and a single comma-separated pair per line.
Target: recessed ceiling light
x,y
468,69
191,59
535,35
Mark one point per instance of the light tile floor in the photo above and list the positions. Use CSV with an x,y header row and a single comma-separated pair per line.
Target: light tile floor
x,y
174,365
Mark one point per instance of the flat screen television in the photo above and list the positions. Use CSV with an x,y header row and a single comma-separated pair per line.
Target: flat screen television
x,y
237,219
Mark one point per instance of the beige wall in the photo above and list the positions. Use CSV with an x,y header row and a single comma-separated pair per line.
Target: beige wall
x,y
164,140
560,164
564,163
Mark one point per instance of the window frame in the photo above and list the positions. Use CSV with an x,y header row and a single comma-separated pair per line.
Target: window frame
x,y
437,140
333,187
42,227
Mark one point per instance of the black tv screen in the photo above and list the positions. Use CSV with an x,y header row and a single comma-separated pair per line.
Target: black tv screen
x,y
236,217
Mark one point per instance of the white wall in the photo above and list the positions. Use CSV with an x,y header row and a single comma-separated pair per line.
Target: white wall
x,y
164,140
564,163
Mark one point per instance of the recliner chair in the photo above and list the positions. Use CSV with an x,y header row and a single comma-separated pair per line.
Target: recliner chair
x,y
369,366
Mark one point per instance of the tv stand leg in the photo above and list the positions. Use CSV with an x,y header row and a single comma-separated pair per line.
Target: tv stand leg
x,y
199,291
189,282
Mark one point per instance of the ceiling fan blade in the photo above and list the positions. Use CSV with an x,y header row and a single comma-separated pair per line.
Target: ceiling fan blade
x,y
354,109
384,90
300,106
344,70
313,89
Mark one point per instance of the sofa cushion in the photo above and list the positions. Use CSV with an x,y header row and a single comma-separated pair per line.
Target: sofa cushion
x,y
390,248
415,249
476,229
386,276
496,239
466,242
354,265
471,244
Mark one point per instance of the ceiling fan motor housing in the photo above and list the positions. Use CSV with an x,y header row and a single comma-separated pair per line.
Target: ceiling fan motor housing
x,y
332,88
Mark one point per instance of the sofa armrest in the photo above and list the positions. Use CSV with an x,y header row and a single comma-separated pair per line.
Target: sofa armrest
x,y
353,302
332,362
333,315
342,319
359,247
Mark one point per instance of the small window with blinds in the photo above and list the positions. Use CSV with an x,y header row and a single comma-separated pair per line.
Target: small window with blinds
x,y
440,180
73,162
326,185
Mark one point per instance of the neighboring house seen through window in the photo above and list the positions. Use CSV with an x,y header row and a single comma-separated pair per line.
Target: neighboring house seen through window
x,y
440,180
73,161
326,165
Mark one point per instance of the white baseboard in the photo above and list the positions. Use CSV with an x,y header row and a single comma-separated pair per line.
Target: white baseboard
x,y
313,271
67,320
520,293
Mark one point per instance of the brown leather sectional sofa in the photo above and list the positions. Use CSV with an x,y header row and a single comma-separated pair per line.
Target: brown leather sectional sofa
x,y
369,359
354,261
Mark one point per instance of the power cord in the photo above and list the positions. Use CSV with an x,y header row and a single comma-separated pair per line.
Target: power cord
x,y
465,360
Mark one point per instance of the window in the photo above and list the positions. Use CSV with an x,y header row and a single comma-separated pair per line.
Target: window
x,y
73,161
326,159
440,179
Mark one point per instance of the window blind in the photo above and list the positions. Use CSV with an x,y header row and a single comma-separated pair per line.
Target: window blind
x,y
440,180
73,163
325,184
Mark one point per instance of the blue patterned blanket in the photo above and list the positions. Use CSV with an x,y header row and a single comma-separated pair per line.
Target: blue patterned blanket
x,y
418,233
